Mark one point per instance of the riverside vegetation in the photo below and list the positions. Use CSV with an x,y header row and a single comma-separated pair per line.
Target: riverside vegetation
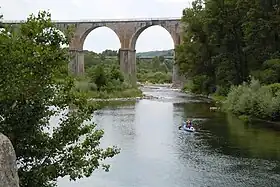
x,y
103,78
231,51
34,87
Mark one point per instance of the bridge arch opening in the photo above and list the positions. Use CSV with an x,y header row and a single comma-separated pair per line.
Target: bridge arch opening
x,y
98,38
100,45
154,54
156,31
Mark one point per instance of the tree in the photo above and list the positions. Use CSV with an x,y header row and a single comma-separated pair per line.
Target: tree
x,y
156,63
194,54
116,74
98,76
226,41
102,57
109,52
161,59
31,92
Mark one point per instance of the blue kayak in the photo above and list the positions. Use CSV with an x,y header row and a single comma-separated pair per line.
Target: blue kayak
x,y
185,128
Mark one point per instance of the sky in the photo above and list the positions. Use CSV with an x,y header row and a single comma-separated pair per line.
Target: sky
x,y
153,38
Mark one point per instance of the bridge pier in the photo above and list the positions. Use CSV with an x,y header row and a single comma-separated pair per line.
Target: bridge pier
x,y
128,64
177,79
76,65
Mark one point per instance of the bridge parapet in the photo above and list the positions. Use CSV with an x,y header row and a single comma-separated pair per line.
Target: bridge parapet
x,y
102,20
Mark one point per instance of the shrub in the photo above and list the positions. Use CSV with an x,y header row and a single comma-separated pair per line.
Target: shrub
x,y
274,88
98,76
115,74
105,83
155,77
254,100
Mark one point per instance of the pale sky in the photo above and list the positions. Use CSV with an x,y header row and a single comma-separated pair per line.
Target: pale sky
x,y
153,38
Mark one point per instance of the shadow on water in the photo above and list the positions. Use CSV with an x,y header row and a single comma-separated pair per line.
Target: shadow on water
x,y
232,137
227,151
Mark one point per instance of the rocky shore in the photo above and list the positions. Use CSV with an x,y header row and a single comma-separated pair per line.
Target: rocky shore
x,y
125,99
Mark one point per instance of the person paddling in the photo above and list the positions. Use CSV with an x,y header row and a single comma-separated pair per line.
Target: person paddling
x,y
189,123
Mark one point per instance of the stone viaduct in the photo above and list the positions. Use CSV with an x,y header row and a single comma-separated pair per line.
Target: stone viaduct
x,y
127,31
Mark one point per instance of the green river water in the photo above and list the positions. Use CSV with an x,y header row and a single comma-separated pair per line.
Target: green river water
x,y
154,153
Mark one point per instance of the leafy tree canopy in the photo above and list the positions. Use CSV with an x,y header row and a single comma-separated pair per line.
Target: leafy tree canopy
x,y
32,91
224,42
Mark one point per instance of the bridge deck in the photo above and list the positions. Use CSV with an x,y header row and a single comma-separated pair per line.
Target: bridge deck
x,y
139,57
102,20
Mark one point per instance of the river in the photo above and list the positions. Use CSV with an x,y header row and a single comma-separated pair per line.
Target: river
x,y
154,153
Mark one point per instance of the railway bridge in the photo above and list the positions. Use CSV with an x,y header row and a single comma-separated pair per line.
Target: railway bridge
x,y
127,31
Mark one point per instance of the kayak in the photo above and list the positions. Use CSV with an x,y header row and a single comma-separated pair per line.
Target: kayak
x,y
185,128
191,129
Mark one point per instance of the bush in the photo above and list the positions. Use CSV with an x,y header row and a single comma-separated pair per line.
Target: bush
x,y
222,90
99,77
274,88
105,83
155,77
188,86
201,84
115,74
254,100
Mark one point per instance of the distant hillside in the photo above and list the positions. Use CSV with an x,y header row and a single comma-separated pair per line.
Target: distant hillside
x,y
169,52
109,52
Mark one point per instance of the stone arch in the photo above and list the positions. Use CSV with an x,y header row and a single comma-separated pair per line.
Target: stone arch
x,y
138,32
173,27
86,33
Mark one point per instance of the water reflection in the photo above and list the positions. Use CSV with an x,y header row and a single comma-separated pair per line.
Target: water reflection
x,y
154,152
194,110
119,124
257,141
153,127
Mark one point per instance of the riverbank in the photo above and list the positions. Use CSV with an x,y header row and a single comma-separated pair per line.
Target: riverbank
x,y
117,102
250,102
124,98
218,99
119,91
155,85
126,93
